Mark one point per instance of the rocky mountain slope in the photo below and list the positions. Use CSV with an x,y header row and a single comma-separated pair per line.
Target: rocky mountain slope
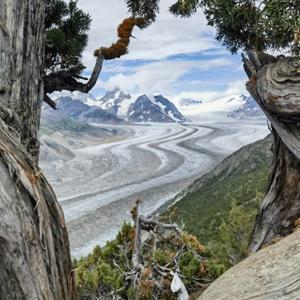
x,y
203,205
168,108
59,137
114,107
222,205
140,109
68,107
144,110
248,109
159,109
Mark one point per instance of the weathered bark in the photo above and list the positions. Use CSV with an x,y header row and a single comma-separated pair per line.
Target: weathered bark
x,y
271,273
34,248
21,58
65,80
275,85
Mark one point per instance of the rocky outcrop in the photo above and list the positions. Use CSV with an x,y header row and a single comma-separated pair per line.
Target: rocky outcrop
x,y
248,109
169,108
272,273
144,110
68,107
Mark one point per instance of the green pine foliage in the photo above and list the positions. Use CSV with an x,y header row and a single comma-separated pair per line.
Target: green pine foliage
x,y
103,271
106,271
66,35
230,243
143,9
262,25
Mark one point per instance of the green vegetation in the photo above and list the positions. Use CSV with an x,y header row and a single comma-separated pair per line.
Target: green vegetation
x,y
109,272
220,208
248,24
103,271
230,243
66,35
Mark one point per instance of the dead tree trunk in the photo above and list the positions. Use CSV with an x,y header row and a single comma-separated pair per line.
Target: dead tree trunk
x,y
275,85
34,247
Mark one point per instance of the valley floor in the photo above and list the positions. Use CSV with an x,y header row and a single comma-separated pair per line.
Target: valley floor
x,y
99,183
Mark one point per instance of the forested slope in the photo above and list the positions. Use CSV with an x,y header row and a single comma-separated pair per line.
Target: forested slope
x,y
220,207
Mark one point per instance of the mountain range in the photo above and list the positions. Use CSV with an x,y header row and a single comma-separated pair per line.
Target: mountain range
x,y
234,106
248,109
114,107
141,109
75,108
117,107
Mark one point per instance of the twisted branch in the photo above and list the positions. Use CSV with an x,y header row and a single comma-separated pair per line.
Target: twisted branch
x,y
67,79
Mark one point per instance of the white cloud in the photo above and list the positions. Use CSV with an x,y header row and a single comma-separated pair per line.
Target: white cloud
x,y
236,87
233,88
205,96
167,36
159,76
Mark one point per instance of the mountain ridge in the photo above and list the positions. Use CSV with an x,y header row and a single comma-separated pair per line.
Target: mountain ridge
x,y
76,109
234,106
114,106
159,108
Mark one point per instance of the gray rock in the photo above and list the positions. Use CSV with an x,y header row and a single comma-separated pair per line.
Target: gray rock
x,y
75,109
270,274
144,110
169,108
249,109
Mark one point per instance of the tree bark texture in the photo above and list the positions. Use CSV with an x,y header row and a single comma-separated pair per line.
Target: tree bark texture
x,y
275,85
21,61
271,273
64,80
35,258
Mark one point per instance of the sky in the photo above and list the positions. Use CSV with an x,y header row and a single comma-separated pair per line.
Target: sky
x,y
175,57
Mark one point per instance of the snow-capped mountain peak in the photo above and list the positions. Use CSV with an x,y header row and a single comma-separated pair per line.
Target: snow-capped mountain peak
x,y
116,101
233,106
140,109
146,110
249,108
82,97
169,108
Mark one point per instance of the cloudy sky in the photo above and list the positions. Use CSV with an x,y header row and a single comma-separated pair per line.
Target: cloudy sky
x,y
174,57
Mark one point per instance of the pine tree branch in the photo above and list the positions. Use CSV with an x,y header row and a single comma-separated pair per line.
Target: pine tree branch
x,y
50,102
66,80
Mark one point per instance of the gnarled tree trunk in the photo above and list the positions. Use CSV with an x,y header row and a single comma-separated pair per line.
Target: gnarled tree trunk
x,y
275,85
34,248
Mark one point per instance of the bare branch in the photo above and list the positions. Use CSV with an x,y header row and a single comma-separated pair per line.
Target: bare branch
x,y
66,79
50,102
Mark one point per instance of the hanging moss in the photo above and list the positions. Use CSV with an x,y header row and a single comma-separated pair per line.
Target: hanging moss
x,y
118,49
